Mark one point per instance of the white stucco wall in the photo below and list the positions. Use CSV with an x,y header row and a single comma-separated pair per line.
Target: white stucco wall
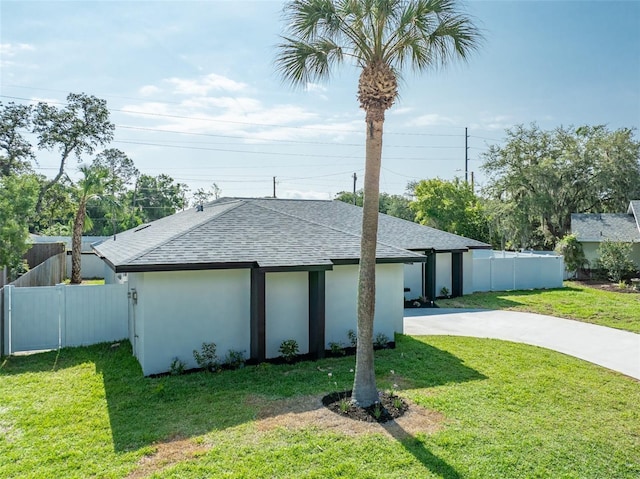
x,y
177,311
287,311
341,301
467,272
413,279
443,272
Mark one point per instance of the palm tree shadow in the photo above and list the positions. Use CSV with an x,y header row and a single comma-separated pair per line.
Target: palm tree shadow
x,y
416,447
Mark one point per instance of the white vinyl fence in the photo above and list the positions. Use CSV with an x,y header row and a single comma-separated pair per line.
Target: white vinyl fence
x,y
52,317
505,270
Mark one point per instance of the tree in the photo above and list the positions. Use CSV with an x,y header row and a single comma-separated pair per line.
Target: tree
x,y
17,198
538,178
77,129
382,37
450,206
392,205
17,154
158,196
202,196
121,173
91,185
571,249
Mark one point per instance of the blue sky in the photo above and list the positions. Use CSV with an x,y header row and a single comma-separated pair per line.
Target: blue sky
x,y
194,94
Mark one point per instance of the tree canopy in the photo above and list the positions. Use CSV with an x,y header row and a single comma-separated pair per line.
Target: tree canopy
x,y
450,206
538,178
392,205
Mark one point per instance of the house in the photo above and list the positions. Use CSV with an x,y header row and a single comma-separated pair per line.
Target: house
x,y
247,274
593,229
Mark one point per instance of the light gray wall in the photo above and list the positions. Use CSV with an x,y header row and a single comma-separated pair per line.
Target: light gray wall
x,y
92,266
414,279
591,252
467,272
342,300
443,272
287,311
178,311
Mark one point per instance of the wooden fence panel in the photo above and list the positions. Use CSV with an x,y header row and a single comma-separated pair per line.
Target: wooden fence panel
x,y
49,273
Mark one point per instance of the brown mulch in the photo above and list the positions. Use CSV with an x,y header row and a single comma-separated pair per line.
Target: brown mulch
x,y
389,408
607,286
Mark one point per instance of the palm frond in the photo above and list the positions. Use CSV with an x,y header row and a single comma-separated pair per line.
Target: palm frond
x,y
302,62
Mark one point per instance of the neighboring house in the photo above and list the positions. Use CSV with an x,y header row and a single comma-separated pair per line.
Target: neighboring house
x,y
250,273
593,229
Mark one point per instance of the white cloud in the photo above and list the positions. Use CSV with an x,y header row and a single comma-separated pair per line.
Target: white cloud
x,y
494,122
12,49
401,111
432,119
149,90
304,195
203,85
314,87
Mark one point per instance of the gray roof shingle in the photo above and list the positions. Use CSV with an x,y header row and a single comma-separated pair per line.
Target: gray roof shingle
x,y
599,227
242,232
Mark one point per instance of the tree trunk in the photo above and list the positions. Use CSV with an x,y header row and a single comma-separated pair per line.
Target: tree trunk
x,y
365,392
76,243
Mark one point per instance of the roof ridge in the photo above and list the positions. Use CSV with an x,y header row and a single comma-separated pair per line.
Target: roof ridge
x,y
333,227
188,230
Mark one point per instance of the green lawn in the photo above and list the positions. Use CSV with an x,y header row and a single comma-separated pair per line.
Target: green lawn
x,y
574,301
506,410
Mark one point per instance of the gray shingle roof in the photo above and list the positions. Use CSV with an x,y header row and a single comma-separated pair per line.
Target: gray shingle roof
x,y
391,230
240,232
608,226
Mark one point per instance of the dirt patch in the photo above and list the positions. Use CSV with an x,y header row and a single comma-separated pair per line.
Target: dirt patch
x,y
305,411
295,413
167,453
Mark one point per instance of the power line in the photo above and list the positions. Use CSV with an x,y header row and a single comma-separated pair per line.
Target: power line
x,y
235,122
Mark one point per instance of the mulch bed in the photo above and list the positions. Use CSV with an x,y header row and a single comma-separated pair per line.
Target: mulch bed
x,y
391,407
608,286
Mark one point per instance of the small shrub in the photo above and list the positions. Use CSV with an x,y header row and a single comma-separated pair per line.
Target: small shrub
x,y
289,349
177,367
377,410
235,359
344,405
336,348
444,291
614,258
397,402
207,359
353,338
381,340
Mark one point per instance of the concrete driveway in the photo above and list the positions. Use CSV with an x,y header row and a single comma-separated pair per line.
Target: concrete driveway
x,y
611,348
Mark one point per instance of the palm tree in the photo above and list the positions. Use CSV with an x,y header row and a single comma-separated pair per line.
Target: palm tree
x,y
91,185
382,37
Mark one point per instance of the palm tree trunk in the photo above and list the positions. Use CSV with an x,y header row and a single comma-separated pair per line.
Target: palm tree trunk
x,y
76,243
365,392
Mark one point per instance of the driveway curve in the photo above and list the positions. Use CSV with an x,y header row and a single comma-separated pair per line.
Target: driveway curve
x,y
612,348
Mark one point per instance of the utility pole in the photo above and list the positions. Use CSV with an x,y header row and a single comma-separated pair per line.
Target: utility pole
x,y
355,178
466,155
274,186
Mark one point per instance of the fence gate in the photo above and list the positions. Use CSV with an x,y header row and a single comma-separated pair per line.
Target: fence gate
x,y
50,317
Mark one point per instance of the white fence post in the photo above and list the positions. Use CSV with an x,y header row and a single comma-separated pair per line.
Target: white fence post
x,y
9,288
